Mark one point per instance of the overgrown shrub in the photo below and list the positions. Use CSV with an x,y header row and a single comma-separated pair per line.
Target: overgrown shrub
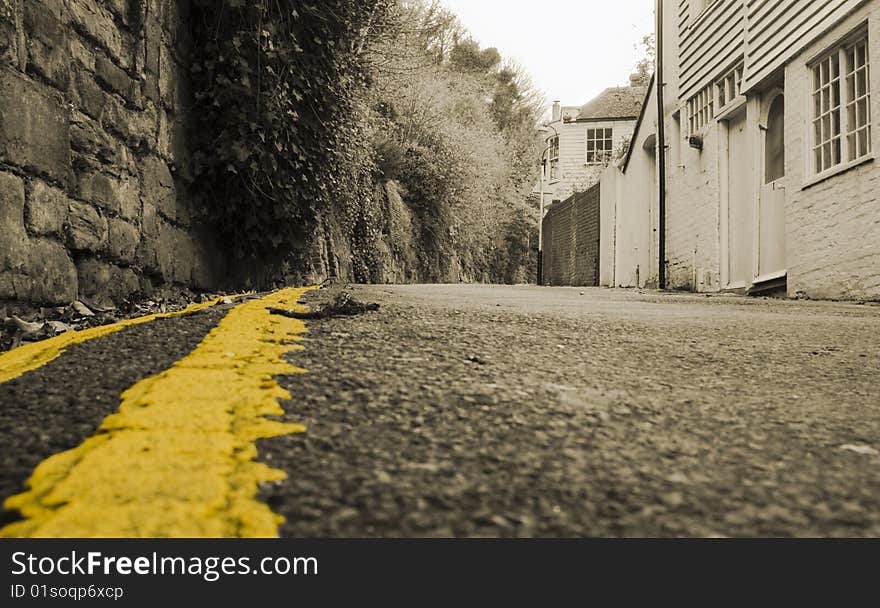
x,y
277,123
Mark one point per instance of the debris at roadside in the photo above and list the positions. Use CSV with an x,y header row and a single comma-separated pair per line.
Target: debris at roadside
x,y
335,303
24,325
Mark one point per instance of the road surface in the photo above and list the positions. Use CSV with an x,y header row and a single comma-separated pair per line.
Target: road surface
x,y
456,411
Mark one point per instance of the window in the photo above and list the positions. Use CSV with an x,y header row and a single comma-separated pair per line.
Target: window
x,y
774,141
841,106
553,173
858,107
701,109
600,146
728,87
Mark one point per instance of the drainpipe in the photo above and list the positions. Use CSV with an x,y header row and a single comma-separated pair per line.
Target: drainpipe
x,y
542,207
541,227
660,83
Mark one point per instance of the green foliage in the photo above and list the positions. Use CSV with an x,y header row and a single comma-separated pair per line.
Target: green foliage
x,y
277,88
381,119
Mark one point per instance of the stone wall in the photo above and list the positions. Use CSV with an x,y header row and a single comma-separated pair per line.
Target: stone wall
x,y
94,166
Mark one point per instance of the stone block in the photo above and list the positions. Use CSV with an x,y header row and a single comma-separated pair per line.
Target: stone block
x,y
99,189
168,78
34,131
81,53
149,219
46,209
152,49
164,251
158,187
130,198
115,79
13,236
91,17
174,254
86,229
55,8
13,49
119,195
121,9
123,241
172,143
51,275
87,137
48,49
87,94
147,256
102,284
138,128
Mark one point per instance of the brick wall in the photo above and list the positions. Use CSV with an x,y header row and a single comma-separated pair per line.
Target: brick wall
x,y
571,240
833,227
94,167
692,199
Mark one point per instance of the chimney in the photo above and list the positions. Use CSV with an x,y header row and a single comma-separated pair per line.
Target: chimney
x,y
557,111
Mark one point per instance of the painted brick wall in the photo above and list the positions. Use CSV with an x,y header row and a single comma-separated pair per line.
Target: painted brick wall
x,y
692,240
833,227
571,240
94,166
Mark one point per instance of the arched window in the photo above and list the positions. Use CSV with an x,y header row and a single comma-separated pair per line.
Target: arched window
x,y
774,141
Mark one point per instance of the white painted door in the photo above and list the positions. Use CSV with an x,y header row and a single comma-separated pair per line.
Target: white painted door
x,y
740,204
771,206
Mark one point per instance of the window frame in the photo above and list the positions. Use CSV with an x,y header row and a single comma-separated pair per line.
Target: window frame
x,y
848,153
728,89
607,139
701,109
553,160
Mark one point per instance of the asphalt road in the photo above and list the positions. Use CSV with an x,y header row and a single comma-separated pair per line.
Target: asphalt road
x,y
517,411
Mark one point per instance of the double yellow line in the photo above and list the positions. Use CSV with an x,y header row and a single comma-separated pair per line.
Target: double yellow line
x,y
33,356
179,457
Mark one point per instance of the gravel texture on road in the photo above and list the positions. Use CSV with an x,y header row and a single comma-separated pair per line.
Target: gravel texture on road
x,y
489,411
59,405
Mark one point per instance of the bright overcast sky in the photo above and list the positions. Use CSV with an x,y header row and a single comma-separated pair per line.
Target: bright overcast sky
x,y
573,49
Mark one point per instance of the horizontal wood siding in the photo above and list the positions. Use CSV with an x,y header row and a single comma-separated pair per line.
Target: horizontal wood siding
x,y
710,43
778,29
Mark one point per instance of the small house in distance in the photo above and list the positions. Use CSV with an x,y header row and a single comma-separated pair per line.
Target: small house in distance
x,y
583,140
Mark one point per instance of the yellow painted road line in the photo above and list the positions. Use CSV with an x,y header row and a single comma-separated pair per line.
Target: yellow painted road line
x,y
179,458
33,356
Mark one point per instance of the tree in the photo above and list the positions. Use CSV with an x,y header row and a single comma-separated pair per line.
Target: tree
x,y
458,136
645,66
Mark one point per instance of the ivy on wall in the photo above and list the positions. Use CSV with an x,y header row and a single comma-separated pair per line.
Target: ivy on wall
x,y
276,125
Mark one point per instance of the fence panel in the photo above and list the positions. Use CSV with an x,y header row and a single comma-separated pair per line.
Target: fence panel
x,y
571,241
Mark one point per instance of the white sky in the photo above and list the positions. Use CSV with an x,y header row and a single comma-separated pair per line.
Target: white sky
x,y
573,49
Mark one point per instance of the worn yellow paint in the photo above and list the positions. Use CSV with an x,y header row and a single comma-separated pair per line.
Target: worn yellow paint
x,y
29,357
179,458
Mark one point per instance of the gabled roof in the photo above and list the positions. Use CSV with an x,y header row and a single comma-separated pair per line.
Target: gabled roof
x,y
616,102
629,152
